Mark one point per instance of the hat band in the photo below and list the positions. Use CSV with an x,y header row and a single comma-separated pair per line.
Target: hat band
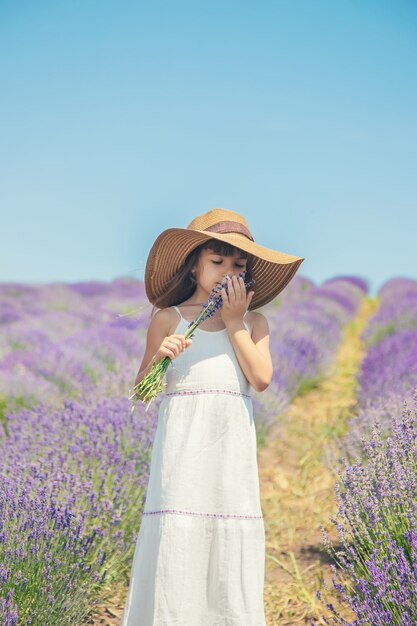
x,y
230,227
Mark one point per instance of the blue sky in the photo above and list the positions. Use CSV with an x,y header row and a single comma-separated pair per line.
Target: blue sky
x,y
121,119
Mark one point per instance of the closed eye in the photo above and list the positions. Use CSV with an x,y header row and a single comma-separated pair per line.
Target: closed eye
x,y
218,262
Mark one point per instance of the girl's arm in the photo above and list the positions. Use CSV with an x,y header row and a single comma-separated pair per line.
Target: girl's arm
x,y
253,352
144,370
159,343
158,329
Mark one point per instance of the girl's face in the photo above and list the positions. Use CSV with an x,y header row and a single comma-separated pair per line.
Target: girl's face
x,y
212,268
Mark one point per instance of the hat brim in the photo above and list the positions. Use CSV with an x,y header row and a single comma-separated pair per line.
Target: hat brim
x,y
271,269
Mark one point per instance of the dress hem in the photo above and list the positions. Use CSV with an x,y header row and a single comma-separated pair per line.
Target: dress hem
x,y
198,514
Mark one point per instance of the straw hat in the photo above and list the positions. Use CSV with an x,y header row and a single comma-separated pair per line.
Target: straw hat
x,y
272,270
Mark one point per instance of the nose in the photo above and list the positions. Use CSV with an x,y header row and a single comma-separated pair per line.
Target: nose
x,y
243,272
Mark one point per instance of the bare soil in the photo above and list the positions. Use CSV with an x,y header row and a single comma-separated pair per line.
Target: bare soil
x,y
297,487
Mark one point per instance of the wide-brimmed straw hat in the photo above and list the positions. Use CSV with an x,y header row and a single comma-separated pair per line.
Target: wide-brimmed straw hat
x,y
272,270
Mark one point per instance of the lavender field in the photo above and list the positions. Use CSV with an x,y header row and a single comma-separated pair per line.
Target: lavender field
x,y
376,490
75,460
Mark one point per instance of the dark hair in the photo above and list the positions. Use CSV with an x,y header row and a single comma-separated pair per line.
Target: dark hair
x,y
182,285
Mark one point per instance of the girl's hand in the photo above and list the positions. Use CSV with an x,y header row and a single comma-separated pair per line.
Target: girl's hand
x,y
172,346
236,301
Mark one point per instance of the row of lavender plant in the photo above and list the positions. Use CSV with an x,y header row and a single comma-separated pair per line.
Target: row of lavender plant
x,y
80,341
375,576
305,330
74,459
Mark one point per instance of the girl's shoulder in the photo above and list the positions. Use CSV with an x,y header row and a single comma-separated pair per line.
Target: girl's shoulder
x,y
260,326
257,314
255,317
163,319
167,318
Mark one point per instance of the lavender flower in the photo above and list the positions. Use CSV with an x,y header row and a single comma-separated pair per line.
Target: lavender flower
x,y
376,522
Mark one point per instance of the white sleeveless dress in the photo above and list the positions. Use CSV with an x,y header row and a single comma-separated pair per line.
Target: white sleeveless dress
x,y
200,552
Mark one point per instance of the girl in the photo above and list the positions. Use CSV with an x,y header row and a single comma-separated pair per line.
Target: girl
x,y
200,552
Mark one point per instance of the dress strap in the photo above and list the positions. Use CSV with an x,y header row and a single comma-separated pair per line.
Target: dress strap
x,y
182,319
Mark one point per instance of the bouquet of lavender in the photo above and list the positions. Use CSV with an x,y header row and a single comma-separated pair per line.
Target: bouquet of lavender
x,y
149,387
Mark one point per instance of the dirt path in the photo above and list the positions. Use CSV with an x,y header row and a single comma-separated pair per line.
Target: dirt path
x,y
297,488
296,492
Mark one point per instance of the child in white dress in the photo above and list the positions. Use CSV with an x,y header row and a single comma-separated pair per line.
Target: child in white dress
x,y
200,552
